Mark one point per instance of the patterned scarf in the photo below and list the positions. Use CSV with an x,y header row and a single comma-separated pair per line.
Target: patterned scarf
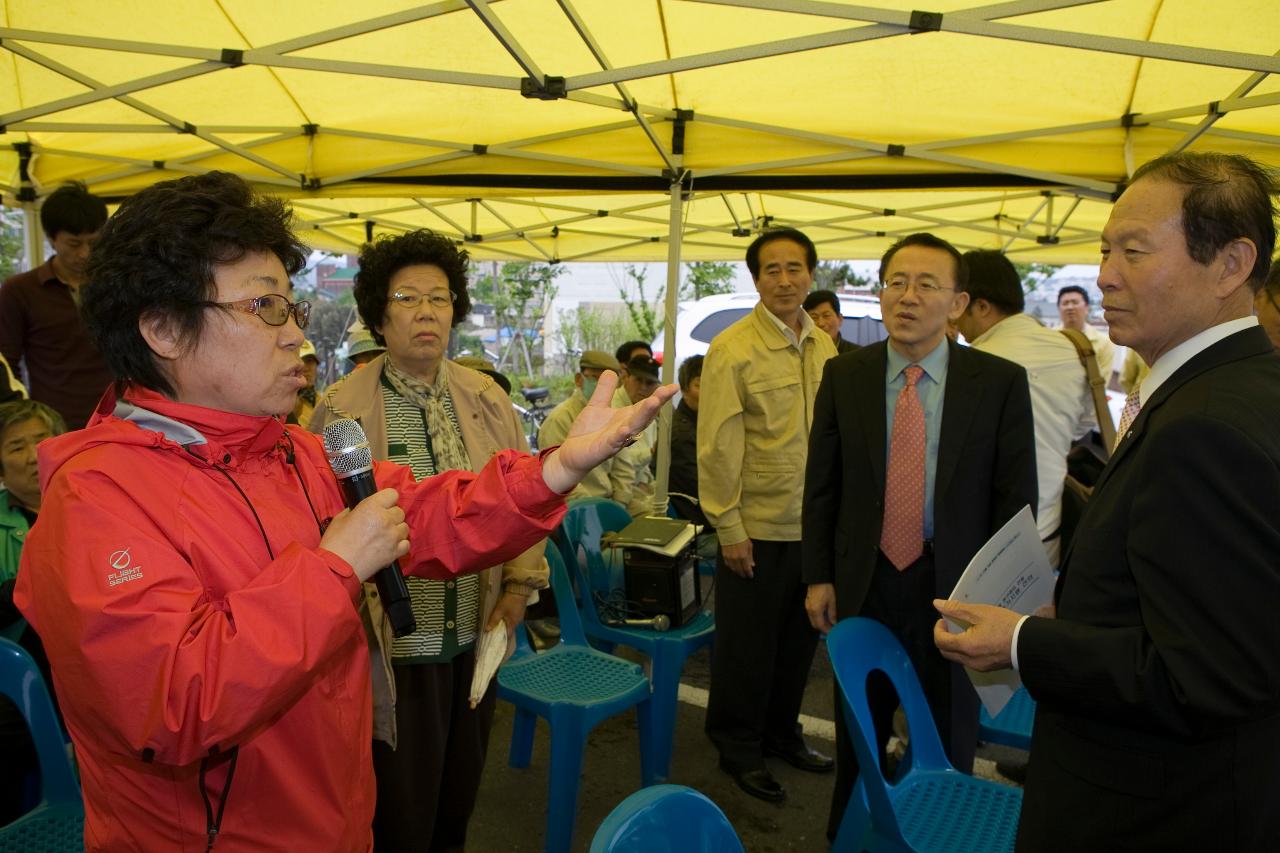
x,y
446,438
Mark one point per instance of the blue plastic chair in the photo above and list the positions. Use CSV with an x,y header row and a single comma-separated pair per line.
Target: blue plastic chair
x,y
931,806
575,687
57,823
583,525
666,819
1012,726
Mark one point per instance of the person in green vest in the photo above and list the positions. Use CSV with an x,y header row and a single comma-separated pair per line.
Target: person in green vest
x,y
23,425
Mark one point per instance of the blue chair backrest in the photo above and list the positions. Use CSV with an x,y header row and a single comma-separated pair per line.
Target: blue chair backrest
x,y
570,620
666,819
583,525
857,648
20,680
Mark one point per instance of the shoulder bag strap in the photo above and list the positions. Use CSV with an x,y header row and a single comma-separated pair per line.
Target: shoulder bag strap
x,y
1097,385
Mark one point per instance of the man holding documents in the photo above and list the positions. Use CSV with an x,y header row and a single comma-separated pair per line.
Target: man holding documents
x,y
1158,684
920,450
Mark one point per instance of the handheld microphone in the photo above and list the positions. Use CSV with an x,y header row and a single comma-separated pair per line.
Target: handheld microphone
x,y
661,622
352,463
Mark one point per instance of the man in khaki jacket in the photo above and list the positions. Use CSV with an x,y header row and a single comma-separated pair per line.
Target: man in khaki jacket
x,y
759,381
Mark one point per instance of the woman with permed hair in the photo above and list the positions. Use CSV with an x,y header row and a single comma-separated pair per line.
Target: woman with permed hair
x,y
431,414
196,577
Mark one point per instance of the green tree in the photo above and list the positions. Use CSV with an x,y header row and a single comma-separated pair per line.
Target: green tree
x,y
327,330
1035,274
644,315
707,278
592,327
11,248
521,293
838,275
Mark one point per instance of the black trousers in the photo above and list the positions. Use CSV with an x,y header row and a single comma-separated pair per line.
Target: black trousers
x,y
763,652
903,602
427,785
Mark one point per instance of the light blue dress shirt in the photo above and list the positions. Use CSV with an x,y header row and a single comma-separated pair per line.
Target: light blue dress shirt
x,y
931,387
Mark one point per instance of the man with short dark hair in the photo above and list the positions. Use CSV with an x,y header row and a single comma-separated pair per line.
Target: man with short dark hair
x,y
752,441
40,323
1073,310
683,473
630,350
920,450
1061,402
823,307
1157,685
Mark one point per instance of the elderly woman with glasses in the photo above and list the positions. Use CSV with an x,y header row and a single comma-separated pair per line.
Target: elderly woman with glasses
x,y
195,575
422,410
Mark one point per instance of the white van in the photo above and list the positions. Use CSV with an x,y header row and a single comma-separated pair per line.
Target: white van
x,y
698,322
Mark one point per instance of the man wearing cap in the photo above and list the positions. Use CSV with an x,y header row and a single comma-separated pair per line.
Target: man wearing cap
x,y
603,481
639,380
362,348
306,404
761,375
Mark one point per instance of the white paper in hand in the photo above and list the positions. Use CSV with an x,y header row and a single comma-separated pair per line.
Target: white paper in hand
x,y
491,651
1011,570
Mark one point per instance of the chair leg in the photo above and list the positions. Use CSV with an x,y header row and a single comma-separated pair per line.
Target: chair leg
x,y
648,743
568,743
854,824
522,728
668,661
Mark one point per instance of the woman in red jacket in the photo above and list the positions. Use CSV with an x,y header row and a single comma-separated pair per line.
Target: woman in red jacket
x,y
193,574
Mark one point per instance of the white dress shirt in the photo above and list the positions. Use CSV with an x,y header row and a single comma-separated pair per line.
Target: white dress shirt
x,y
1061,406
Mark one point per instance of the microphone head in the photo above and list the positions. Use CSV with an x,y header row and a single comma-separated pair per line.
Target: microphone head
x,y
347,448
661,622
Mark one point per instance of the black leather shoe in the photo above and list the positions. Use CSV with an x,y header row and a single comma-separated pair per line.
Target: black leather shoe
x,y
759,783
801,757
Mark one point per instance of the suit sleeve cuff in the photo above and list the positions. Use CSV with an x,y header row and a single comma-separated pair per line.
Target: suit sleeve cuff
x,y
1013,646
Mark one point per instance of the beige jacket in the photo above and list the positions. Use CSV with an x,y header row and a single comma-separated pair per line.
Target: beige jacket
x,y
488,424
753,427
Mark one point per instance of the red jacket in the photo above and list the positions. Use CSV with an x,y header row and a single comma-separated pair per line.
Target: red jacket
x,y
175,635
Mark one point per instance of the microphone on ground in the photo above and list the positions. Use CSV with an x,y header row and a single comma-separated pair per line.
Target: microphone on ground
x,y
352,463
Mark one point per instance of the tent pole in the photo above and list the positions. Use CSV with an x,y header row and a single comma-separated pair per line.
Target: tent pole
x,y
32,235
675,234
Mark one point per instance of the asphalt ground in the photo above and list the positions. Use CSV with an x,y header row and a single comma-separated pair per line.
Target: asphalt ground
x,y
511,812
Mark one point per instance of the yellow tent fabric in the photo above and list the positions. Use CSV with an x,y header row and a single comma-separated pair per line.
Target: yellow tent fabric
x,y
553,129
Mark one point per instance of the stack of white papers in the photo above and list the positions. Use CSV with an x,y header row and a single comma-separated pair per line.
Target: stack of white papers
x,y
1011,570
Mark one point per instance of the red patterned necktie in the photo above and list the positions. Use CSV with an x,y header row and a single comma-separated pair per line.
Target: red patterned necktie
x,y
902,534
1132,405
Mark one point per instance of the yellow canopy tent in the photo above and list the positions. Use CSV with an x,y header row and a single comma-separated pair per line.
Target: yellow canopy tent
x,y
641,129
555,129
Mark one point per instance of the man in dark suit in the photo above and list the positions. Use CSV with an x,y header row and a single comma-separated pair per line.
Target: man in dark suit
x,y
1158,684
920,450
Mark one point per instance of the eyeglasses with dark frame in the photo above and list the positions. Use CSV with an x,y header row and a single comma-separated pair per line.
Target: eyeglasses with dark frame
x,y
271,308
899,286
412,299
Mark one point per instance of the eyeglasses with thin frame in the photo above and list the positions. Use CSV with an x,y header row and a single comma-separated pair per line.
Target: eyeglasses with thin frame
x,y
271,308
899,286
412,299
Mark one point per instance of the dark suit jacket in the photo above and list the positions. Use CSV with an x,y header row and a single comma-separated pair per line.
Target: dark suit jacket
x,y
682,475
843,346
1158,685
986,467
